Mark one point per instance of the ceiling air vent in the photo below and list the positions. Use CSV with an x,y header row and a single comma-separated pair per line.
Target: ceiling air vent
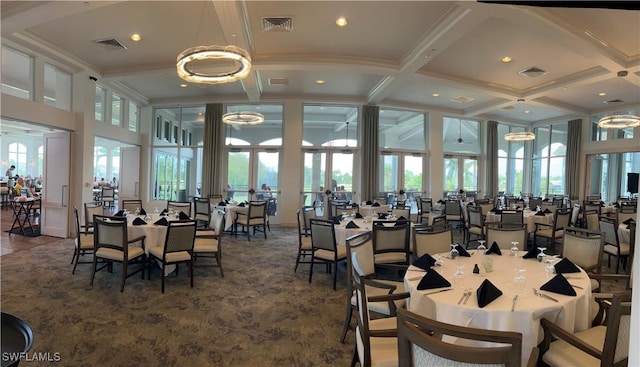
x,y
617,100
532,72
277,24
278,81
109,44
461,99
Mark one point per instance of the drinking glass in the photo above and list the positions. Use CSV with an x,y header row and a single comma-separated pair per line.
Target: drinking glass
x,y
519,282
514,249
481,247
454,252
549,268
137,212
459,277
541,255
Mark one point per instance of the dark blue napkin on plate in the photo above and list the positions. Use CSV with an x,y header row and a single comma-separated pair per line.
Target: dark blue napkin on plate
x,y
161,222
336,219
494,249
351,225
531,254
222,203
559,284
547,211
487,293
382,215
425,262
138,222
433,280
369,202
119,214
401,222
142,211
375,204
183,216
462,251
616,205
628,221
358,215
165,211
566,266
540,214
241,205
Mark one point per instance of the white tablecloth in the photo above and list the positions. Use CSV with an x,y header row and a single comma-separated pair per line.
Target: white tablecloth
x,y
571,313
229,213
529,218
155,235
624,234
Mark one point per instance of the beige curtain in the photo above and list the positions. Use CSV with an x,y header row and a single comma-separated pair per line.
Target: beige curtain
x,y
212,152
574,138
369,176
492,158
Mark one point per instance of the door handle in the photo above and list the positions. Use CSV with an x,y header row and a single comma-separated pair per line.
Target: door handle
x,y
63,191
135,189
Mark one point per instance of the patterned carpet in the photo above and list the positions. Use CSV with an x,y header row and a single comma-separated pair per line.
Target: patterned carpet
x,y
260,314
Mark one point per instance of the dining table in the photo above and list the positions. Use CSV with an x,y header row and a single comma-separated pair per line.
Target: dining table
x,y
521,315
22,207
229,212
529,217
155,234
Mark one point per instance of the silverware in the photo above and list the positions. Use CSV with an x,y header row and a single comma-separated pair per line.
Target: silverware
x,y
462,297
469,293
513,306
535,291
438,291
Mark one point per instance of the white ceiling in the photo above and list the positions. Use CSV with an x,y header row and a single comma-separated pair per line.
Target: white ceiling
x,y
392,53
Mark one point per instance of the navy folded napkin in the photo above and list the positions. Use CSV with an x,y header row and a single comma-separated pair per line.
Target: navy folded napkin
x,y
487,293
495,210
547,211
425,262
351,225
531,254
241,205
119,214
336,219
616,205
222,203
559,284
400,222
358,215
566,266
161,222
518,207
183,216
164,212
138,222
546,200
369,202
402,218
494,249
628,221
433,280
382,215
462,251
540,214
142,211
375,204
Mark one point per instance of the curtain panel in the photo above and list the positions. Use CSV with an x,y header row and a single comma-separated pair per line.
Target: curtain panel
x,y
369,176
212,150
492,158
574,138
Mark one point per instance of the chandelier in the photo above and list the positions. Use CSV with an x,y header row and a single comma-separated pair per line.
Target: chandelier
x,y
243,118
619,121
520,136
213,64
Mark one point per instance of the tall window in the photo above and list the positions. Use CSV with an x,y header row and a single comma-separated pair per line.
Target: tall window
x,y
18,157
100,103
17,73
461,144
549,154
100,163
116,109
57,87
510,161
177,163
134,112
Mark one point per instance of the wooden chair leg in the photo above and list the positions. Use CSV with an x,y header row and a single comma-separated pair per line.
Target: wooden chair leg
x,y
125,265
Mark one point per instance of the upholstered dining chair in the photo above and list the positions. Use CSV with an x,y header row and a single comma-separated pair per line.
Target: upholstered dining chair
x,y
179,206
592,220
402,212
512,216
624,216
111,244
476,224
552,232
130,205
202,211
424,209
575,215
91,209
612,245
255,217
107,196
214,199
308,213
304,241
602,345
391,242
209,243
504,234
83,243
585,249
453,212
431,241
421,344
361,245
177,249
324,248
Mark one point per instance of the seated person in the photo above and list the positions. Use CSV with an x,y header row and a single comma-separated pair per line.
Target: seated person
x,y
29,187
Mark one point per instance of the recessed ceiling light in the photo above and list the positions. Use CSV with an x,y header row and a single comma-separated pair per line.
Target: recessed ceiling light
x,y
436,94
506,59
136,37
183,85
526,112
342,21
602,94
319,81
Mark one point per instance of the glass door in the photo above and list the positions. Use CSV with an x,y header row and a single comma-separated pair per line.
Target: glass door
x,y
460,173
252,174
316,180
402,171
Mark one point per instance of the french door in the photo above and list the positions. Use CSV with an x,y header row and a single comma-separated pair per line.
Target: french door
x,y
402,171
328,170
460,172
252,173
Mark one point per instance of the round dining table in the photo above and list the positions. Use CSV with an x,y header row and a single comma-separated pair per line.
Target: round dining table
x,y
503,314
529,217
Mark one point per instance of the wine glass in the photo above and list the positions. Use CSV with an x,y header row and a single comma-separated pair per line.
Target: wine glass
x,y
519,282
137,212
549,268
459,277
454,252
514,249
481,247
541,255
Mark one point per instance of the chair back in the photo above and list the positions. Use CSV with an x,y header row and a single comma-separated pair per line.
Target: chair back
x,y
622,216
77,227
402,212
486,207
535,202
257,210
431,242
438,222
308,213
574,215
91,209
616,340
584,248
512,217
558,202
131,205
392,238
323,235
548,206
202,207
589,206
180,206
180,237
107,193
363,343
425,205
628,207
362,245
476,219
609,228
110,232
214,199
503,235
561,220
452,209
594,197
420,344
592,219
